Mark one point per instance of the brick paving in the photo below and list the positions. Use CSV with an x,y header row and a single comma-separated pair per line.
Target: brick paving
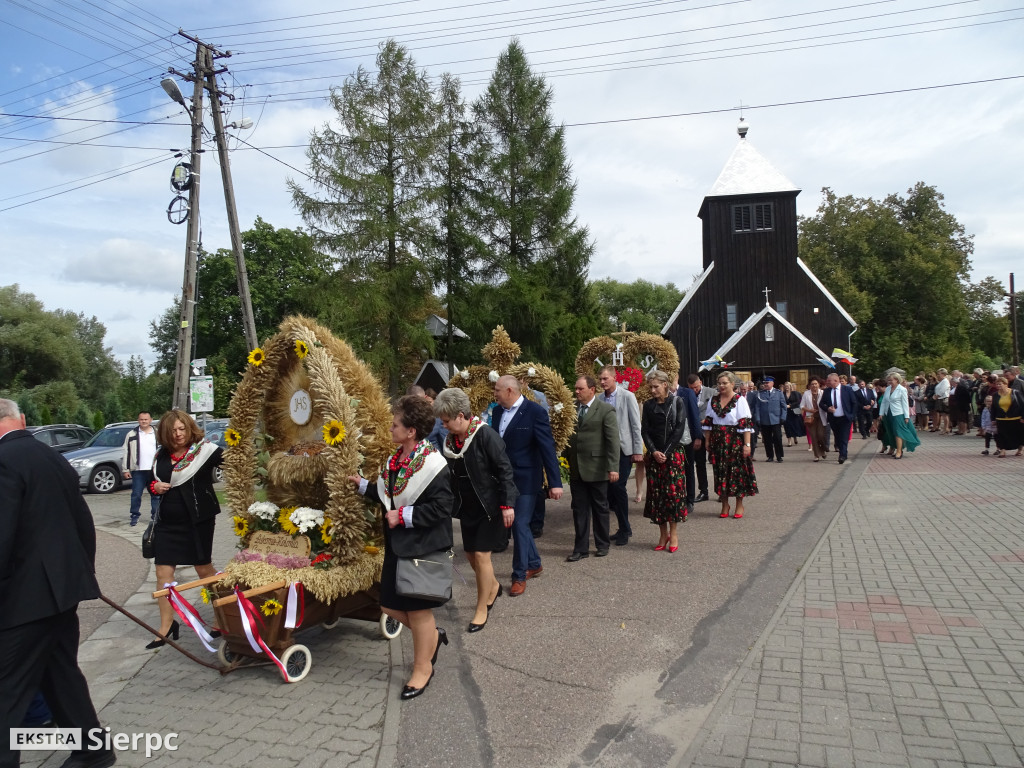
x,y
901,644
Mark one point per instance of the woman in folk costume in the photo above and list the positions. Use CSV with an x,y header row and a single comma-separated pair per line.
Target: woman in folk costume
x,y
414,489
484,492
729,429
183,472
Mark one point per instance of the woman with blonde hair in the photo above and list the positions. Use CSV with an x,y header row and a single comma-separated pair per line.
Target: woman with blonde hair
x,y
894,412
662,425
728,427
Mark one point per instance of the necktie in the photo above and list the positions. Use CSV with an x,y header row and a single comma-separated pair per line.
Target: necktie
x,y
583,412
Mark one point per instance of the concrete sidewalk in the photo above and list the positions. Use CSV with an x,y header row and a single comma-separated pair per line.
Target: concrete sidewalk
x,y
901,642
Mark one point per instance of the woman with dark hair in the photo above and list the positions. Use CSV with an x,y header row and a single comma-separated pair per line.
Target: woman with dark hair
x,y
729,429
183,472
794,421
485,492
414,489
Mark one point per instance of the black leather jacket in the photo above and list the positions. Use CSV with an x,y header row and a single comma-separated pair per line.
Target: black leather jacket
x,y
197,492
490,473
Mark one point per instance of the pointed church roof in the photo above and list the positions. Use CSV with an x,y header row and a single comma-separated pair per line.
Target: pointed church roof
x,y
747,172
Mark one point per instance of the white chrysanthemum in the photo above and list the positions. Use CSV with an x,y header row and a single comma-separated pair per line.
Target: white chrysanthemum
x,y
306,519
464,374
493,376
558,407
264,510
531,372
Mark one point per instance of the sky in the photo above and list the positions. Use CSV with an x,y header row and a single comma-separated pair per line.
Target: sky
x,y
864,97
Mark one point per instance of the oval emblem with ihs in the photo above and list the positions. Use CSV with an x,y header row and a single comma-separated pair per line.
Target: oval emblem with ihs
x,y
300,407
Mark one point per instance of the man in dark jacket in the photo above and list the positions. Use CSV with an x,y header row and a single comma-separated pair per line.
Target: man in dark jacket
x,y
866,404
47,551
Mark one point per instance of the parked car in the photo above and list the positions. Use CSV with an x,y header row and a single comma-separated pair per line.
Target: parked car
x,y
215,434
98,462
62,437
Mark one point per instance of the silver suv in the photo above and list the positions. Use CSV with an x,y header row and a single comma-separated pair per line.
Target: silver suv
x,y
98,462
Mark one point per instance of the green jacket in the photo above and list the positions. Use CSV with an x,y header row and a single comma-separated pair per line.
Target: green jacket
x,y
593,449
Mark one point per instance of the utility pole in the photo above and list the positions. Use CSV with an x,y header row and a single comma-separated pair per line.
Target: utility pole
x,y
188,288
248,322
1013,322
203,77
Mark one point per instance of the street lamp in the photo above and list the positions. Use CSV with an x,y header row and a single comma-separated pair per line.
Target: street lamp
x,y
171,89
244,124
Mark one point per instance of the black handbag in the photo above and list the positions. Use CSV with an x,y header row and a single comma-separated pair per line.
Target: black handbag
x,y
149,537
426,578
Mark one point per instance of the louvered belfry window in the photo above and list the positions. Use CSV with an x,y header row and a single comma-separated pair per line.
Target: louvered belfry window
x,y
753,217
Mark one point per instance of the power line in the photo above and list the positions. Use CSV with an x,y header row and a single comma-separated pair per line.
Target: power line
x,y
92,120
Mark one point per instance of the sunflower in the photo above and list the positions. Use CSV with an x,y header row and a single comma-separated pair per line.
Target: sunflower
x,y
301,349
232,436
370,549
241,526
256,357
205,594
284,518
271,607
334,432
327,531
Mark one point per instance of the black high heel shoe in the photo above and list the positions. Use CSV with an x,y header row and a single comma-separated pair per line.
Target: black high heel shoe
x,y
408,692
442,639
172,633
495,598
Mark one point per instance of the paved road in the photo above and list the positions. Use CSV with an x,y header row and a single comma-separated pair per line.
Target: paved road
x,y
632,659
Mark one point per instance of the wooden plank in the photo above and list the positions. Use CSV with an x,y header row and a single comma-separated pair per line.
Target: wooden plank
x,y
250,593
190,585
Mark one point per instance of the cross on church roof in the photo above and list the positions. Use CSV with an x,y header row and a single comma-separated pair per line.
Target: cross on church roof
x,y
766,291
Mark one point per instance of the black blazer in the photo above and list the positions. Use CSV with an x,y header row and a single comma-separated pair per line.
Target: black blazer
x,y
47,538
431,518
1016,406
197,492
490,473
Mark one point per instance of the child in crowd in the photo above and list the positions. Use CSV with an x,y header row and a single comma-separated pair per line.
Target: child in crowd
x,y
988,424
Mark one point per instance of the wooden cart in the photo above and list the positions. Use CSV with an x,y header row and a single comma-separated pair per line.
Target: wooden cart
x,y
234,650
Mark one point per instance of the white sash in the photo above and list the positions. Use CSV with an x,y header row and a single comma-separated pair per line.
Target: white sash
x,y
433,463
178,477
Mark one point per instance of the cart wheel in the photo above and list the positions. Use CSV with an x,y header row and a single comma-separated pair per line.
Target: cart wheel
x,y
296,661
225,655
390,627
331,624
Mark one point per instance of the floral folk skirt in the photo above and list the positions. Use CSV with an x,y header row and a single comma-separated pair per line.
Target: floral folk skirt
x,y
734,474
666,489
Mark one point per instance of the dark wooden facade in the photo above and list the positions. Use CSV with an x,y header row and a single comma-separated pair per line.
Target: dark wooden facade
x,y
742,264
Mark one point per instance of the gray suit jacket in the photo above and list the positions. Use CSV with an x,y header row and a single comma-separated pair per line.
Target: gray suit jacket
x,y
627,412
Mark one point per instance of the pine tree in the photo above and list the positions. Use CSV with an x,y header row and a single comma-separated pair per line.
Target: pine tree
x,y
537,253
370,208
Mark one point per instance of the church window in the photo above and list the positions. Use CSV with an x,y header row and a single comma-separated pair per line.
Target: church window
x,y
753,217
781,308
730,317
769,331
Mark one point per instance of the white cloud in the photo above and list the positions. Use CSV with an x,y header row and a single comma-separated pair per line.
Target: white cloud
x,y
132,264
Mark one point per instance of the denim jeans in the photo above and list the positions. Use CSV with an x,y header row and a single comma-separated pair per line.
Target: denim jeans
x,y
141,478
525,555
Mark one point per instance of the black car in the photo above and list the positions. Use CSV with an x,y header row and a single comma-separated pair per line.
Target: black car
x,y
62,437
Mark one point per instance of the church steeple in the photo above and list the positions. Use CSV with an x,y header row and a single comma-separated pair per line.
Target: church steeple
x,y
747,172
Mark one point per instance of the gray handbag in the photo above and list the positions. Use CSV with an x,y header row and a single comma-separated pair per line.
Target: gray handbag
x,y
426,578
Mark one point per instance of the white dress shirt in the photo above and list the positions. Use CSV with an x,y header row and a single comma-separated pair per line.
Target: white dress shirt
x,y
506,417
837,401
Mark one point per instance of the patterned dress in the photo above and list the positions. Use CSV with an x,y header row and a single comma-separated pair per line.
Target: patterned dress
x,y
666,483
724,428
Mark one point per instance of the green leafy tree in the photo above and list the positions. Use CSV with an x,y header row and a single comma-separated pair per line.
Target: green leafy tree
x,y
989,327
643,306
98,421
30,410
535,250
45,416
83,416
899,266
369,206
163,337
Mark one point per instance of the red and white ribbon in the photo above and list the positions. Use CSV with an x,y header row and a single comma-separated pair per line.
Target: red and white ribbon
x,y
296,606
189,616
250,616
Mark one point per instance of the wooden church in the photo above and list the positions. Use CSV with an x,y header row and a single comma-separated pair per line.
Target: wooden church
x,y
756,306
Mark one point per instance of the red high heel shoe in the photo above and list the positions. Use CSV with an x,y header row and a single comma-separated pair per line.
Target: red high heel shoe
x,y
660,547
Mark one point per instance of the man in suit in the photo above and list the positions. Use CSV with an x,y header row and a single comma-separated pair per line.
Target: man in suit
x,y
47,551
865,408
540,508
770,414
526,430
631,447
698,465
593,454
840,404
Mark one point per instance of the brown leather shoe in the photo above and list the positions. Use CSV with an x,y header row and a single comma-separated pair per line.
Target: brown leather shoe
x,y
517,588
533,573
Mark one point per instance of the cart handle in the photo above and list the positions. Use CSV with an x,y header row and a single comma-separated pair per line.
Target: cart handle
x,y
250,593
190,585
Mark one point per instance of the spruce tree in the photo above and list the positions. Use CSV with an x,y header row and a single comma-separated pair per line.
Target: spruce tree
x,y
368,205
537,254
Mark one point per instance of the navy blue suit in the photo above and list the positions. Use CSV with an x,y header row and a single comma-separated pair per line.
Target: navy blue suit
x,y
840,424
865,397
531,451
694,418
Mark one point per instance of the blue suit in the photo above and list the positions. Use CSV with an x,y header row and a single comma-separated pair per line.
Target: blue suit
x,y
531,451
769,413
840,424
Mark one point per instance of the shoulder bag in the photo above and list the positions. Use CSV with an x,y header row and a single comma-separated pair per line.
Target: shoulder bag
x,y
426,578
149,537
